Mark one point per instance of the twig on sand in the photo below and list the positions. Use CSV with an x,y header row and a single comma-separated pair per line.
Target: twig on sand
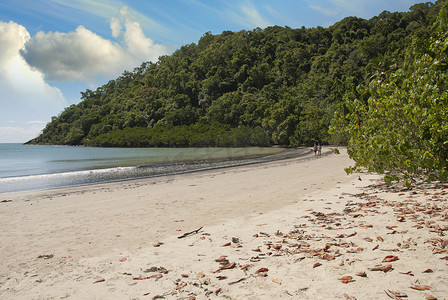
x,y
239,280
189,233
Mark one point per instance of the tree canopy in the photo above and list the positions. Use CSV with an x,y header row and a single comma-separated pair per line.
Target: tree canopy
x,y
265,86
398,124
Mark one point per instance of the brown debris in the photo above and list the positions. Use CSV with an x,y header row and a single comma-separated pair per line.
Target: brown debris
x,y
385,268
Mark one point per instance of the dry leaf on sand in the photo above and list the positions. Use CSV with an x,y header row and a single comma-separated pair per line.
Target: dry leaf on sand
x,y
390,258
421,287
99,280
385,268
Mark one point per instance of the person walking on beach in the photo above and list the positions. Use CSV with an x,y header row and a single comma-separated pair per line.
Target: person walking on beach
x,y
315,149
319,149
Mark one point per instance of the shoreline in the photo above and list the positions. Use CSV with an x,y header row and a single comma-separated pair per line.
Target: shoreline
x,y
284,229
80,178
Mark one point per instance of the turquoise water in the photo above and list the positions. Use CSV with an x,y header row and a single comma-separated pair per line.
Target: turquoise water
x,y
36,167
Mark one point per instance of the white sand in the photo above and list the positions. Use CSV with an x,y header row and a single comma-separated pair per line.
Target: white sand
x,y
284,216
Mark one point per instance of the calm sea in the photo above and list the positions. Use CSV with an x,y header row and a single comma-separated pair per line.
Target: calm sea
x,y
35,167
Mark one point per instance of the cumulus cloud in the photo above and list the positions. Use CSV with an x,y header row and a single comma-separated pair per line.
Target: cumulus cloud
x,y
84,56
24,94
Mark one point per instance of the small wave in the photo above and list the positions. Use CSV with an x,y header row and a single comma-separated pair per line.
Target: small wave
x,y
68,174
83,177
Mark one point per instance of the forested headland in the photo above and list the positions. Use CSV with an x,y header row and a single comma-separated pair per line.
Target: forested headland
x,y
273,86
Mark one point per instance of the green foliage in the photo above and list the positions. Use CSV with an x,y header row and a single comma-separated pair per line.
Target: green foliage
x,y
196,135
401,130
284,83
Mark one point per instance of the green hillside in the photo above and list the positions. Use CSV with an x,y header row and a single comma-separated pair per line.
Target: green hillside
x,y
261,87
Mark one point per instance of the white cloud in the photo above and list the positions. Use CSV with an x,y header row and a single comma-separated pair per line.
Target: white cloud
x,y
84,56
138,46
325,11
253,16
115,26
20,133
244,13
24,94
107,10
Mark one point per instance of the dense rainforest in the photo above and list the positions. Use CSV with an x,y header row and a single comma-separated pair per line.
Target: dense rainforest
x,y
276,85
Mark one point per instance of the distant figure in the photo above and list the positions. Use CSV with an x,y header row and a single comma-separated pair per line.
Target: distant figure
x,y
319,149
315,149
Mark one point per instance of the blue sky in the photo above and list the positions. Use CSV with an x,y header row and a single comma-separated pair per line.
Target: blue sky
x,y
51,50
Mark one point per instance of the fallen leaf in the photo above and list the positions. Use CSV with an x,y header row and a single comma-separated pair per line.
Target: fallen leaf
x,y
156,276
181,285
347,281
395,295
227,244
239,280
428,271
200,275
421,287
380,239
99,280
390,258
352,234
376,247
361,274
367,239
366,226
407,273
123,259
317,265
328,257
346,278
228,266
385,268
222,259
277,281
262,270
139,278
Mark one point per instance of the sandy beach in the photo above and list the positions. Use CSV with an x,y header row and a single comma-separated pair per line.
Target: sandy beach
x,y
291,229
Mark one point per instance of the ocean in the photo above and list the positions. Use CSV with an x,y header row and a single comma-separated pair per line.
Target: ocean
x,y
38,167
